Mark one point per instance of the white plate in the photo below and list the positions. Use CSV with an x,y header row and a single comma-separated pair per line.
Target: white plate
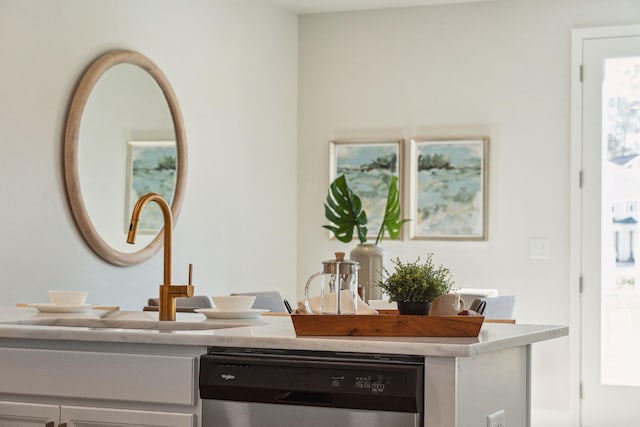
x,y
214,313
56,308
383,304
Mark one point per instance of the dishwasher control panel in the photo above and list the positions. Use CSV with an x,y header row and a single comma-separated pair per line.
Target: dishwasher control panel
x,y
373,382
368,383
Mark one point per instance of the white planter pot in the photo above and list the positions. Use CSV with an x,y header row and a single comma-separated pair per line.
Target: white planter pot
x,y
370,257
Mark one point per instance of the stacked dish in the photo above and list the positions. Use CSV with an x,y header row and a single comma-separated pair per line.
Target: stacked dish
x,y
64,302
232,307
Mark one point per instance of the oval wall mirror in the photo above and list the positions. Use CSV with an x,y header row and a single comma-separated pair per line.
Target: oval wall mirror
x,y
124,138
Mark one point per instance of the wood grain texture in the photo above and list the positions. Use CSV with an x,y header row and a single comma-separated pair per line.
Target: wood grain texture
x,y
387,325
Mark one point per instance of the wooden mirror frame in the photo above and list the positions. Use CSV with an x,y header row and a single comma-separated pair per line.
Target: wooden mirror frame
x,y
71,173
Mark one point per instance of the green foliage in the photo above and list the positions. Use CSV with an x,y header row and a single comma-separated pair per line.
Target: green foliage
x,y
435,161
167,162
391,221
344,209
415,281
387,163
384,163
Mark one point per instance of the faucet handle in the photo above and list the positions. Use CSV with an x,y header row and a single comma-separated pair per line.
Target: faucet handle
x,y
189,290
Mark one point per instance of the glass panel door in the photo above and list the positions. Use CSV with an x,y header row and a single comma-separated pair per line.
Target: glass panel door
x,y
610,306
620,298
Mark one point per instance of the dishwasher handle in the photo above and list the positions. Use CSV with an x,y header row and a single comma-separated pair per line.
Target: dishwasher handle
x,y
307,398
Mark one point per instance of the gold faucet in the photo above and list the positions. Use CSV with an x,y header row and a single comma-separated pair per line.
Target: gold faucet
x,y
168,292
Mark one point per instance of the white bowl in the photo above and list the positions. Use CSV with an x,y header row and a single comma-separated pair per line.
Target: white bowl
x,y
68,297
233,302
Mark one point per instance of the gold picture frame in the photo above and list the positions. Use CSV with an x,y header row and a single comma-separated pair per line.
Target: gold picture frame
x,y
368,165
448,197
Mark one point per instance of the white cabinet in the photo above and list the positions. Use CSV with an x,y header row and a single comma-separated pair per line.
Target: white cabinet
x,y
76,416
144,378
18,414
78,388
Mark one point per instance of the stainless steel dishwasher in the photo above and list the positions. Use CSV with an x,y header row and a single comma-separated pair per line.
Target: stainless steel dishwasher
x,y
264,387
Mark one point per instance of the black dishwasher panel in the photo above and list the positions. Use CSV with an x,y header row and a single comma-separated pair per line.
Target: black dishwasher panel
x,y
321,379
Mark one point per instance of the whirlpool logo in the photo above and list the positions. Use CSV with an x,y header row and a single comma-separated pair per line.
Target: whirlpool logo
x,y
227,377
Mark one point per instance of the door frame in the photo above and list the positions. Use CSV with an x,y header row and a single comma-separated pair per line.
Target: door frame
x,y
578,37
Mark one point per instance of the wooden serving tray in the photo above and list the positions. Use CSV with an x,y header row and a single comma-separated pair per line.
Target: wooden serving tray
x,y
386,325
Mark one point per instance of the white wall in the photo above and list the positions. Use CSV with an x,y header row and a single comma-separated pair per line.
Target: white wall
x,y
497,68
233,66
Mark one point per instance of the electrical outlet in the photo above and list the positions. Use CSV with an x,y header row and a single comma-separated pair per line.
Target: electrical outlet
x,y
496,419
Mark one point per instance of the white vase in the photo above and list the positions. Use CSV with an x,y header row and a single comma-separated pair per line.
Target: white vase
x,y
370,257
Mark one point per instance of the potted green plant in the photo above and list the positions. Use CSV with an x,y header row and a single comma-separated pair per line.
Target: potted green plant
x,y
343,209
414,285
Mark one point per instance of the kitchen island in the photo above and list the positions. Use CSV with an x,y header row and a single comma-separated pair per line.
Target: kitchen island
x,y
57,371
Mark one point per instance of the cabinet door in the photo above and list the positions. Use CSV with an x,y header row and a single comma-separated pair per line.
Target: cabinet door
x,y
16,414
76,416
125,377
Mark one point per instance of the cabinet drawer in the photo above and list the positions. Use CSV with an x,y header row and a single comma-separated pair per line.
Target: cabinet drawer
x,y
17,414
76,416
93,375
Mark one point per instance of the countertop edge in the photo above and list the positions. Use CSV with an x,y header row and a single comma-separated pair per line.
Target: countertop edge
x,y
278,333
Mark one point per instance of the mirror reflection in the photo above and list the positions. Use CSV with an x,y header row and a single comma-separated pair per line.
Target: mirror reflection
x,y
126,148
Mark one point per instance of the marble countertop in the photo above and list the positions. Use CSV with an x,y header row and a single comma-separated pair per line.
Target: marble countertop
x,y
263,332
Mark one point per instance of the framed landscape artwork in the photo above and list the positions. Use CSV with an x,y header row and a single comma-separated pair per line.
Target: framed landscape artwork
x,y
368,166
448,196
151,167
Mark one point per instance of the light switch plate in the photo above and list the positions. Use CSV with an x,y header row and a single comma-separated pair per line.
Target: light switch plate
x,y
497,419
539,248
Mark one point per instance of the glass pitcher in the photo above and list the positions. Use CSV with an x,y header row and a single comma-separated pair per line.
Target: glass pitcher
x,y
339,291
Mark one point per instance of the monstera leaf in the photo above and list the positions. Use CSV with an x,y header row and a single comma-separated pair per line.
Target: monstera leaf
x,y
344,209
391,221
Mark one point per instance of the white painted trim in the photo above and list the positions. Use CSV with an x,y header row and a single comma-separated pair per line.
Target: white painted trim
x,y
604,32
578,36
575,225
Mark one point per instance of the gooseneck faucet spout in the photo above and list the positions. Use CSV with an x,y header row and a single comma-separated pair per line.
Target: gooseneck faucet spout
x,y
168,292
168,228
